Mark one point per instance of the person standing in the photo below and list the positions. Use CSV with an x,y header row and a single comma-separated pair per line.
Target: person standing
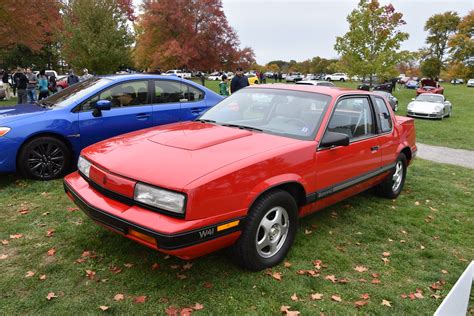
x,y
224,86
72,78
21,82
52,85
31,87
86,75
239,81
6,84
43,85
280,76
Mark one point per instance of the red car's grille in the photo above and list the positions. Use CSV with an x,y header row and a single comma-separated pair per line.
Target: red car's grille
x,y
111,182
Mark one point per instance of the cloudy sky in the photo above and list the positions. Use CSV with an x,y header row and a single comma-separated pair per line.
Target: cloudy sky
x,y
301,29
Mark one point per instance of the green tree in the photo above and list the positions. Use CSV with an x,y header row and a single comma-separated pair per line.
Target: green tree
x,y
97,36
440,27
372,44
461,45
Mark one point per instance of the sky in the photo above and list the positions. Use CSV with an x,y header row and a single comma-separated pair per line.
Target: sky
x,y
302,29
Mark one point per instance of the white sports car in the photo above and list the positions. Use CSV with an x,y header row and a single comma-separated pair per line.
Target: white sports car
x,y
429,105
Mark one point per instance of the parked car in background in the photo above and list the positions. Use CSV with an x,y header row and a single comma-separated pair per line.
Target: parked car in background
x,y
429,86
294,77
411,84
470,83
253,79
338,76
217,76
429,105
393,101
178,73
61,84
243,174
457,81
43,140
316,83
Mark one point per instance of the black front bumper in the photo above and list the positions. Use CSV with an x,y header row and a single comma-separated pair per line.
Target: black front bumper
x,y
164,241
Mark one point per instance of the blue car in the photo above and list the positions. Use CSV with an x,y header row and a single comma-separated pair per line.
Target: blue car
x,y
43,140
411,84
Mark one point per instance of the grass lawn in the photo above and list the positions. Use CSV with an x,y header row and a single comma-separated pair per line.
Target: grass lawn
x,y
454,132
424,234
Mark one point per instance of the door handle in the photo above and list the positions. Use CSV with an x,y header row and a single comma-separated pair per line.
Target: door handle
x,y
143,116
197,110
374,148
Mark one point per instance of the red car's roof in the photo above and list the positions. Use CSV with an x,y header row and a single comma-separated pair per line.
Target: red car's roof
x,y
332,91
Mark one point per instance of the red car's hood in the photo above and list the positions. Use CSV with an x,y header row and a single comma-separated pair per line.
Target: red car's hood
x,y
174,155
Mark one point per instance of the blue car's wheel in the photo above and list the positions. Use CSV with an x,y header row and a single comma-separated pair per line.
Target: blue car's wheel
x,y
44,158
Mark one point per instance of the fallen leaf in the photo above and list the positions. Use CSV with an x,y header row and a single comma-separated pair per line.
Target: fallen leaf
x,y
444,272
375,275
316,296
419,295
119,297
362,280
403,232
342,280
286,264
42,277
90,274
45,213
417,203
16,236
208,285
386,303
139,299
167,257
187,311
128,265
385,260
436,286
187,266
86,253
3,256
114,269
422,247
51,252
331,278
317,264
386,254
360,269
284,308
308,232
174,266
50,232
5,242
23,212
292,313
375,281
198,307
72,209
181,276
359,304
294,297
435,296
50,296
171,311
155,266
403,241
29,274
403,296
275,275
104,308
365,296
336,298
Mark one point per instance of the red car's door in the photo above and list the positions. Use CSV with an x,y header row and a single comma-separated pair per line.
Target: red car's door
x,y
389,140
346,170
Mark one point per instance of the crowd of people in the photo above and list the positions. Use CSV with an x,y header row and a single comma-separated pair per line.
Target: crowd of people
x,y
29,87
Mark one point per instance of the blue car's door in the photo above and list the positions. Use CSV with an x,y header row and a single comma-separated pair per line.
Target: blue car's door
x,y
167,95
193,103
131,110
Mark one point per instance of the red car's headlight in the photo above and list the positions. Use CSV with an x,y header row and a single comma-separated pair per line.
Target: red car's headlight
x,y
160,198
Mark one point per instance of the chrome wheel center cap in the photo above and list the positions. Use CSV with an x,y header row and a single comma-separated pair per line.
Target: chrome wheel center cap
x,y
274,231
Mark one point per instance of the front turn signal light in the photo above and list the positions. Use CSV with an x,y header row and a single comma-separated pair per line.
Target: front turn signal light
x,y
4,130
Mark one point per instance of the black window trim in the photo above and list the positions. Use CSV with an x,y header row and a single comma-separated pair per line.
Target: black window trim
x,y
182,82
377,116
78,108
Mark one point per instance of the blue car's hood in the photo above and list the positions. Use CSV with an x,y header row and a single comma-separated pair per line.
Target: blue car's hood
x,y
10,114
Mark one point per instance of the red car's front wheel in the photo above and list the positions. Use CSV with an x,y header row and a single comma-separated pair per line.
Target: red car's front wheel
x,y
269,231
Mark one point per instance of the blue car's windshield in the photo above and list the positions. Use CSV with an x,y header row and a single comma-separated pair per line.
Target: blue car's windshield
x,y
75,92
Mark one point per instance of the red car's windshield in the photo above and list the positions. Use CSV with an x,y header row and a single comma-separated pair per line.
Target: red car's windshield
x,y
287,113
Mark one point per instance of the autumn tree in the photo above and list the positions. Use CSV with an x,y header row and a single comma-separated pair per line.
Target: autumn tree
x,y
192,34
461,46
372,44
29,32
97,36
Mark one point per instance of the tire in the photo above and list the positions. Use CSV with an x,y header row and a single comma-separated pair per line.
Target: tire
x,y
44,158
342,80
256,82
59,89
388,189
246,251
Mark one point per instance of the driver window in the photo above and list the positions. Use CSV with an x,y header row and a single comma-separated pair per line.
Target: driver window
x,y
122,95
353,117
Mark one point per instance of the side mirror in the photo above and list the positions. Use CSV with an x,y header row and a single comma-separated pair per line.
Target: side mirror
x,y
101,105
333,139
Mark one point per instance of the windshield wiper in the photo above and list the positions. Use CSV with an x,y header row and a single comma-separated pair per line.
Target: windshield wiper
x,y
205,121
250,128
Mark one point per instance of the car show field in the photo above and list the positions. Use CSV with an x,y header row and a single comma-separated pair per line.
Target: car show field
x,y
356,254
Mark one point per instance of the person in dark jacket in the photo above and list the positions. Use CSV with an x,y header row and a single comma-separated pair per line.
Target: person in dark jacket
x,y
239,81
21,82
72,78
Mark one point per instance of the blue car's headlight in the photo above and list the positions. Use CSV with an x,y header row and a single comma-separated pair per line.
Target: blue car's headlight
x,y
4,130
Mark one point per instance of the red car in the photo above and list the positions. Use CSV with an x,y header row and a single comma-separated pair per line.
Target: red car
x,y
243,173
429,86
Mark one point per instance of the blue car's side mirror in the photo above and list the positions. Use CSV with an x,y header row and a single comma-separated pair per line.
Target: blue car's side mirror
x,y
103,105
